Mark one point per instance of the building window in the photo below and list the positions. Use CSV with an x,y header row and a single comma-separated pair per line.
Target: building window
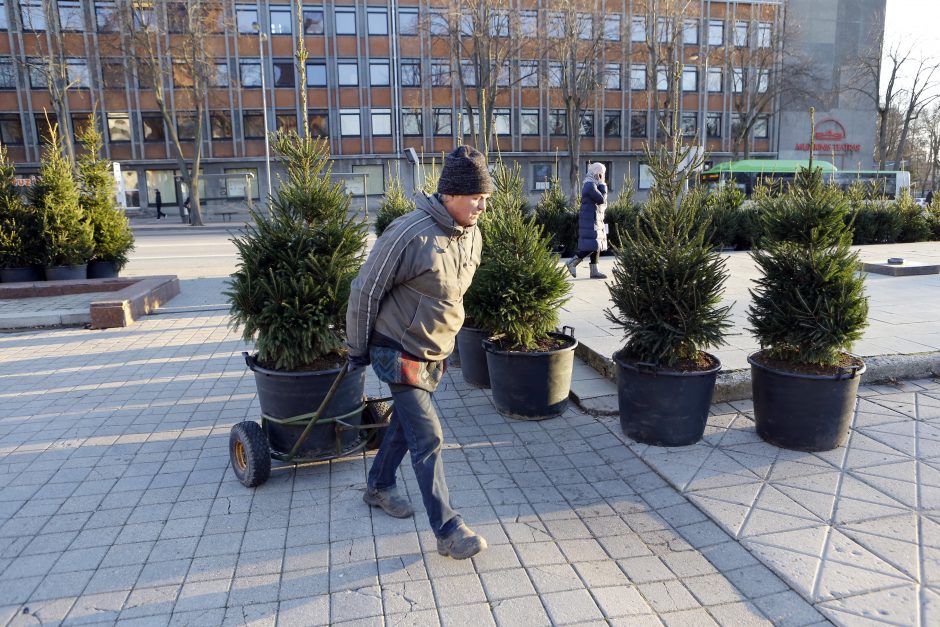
x,y
502,124
221,124
737,80
249,73
761,128
345,21
714,79
716,33
285,121
186,126
663,30
319,123
375,179
528,23
106,17
442,119
542,175
584,23
7,74
612,27
529,121
161,180
638,124
690,78
379,73
33,15
221,76
638,77
112,74
690,32
556,25
119,127
349,123
555,74
736,125
713,125
407,21
688,124
176,17
662,78
131,188
313,22
440,73
44,124
468,73
557,122
283,73
740,34
613,76
763,81
281,20
11,129
37,73
70,15
242,186
77,72
587,124
410,72
529,73
316,74
502,75
473,115
153,128
411,122
253,125
764,37
246,15
348,73
638,29
612,124
4,23
645,178
378,21
381,122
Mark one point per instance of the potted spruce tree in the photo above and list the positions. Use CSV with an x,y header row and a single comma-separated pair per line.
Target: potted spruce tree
x,y
508,195
20,226
289,297
67,236
517,291
113,238
807,310
666,290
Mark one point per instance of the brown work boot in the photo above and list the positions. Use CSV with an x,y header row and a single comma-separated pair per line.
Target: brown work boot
x,y
389,501
461,543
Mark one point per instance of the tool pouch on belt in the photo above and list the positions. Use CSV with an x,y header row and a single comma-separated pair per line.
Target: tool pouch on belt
x,y
394,366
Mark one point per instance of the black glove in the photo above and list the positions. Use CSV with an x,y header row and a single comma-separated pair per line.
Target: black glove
x,y
357,361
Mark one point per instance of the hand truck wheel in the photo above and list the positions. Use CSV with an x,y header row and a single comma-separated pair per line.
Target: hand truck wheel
x,y
376,413
250,453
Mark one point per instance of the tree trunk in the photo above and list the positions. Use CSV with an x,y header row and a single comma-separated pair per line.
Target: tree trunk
x,y
574,146
882,137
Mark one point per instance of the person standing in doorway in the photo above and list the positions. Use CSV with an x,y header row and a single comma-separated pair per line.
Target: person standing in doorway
x,y
592,233
405,308
158,199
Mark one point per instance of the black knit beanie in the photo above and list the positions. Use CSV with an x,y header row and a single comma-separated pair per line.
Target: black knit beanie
x,y
465,173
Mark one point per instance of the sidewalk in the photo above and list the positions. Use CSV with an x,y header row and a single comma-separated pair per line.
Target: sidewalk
x,y
117,503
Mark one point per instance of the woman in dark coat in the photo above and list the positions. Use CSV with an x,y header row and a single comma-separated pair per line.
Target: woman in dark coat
x,y
592,236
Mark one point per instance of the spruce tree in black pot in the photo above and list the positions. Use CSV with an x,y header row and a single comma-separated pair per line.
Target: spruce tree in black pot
x,y
518,289
289,296
666,290
21,253
808,308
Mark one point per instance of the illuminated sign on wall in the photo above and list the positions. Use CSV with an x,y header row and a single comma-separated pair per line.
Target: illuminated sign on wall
x,y
829,136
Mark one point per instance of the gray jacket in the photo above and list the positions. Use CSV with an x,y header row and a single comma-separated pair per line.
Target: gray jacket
x,y
411,287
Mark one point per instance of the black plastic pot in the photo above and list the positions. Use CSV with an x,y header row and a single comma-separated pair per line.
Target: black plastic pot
x,y
664,407
472,356
803,412
67,273
21,275
287,394
531,386
102,270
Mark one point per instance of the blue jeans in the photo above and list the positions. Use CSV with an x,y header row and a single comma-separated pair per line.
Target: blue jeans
x,y
415,427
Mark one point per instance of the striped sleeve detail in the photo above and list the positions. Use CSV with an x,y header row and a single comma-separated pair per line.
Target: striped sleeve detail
x,y
376,279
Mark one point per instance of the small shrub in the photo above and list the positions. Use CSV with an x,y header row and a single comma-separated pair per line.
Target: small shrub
x,y
915,226
724,209
394,204
622,214
20,224
558,218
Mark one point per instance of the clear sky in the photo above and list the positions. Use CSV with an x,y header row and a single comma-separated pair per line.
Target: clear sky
x,y
916,21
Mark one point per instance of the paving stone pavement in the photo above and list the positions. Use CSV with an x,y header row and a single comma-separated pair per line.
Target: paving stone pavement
x,y
70,309
118,506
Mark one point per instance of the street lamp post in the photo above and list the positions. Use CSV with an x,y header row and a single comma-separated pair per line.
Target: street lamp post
x,y
262,37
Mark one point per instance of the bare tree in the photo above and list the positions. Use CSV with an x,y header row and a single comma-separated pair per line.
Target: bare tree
x,y
50,62
484,37
171,44
917,96
661,55
931,128
575,54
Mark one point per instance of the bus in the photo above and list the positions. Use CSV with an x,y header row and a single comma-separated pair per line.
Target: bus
x,y
748,173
